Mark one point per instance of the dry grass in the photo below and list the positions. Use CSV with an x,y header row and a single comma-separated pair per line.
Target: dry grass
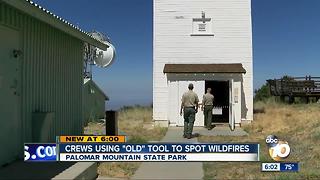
x,y
298,124
121,170
94,128
136,123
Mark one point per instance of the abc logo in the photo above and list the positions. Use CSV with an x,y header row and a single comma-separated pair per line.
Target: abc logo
x,y
272,140
278,149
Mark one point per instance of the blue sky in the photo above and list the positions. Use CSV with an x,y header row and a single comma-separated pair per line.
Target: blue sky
x,y
286,40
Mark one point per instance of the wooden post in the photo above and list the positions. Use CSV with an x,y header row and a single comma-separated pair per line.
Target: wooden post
x,y
111,123
291,99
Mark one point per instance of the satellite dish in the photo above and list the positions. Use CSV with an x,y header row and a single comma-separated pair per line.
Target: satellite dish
x,y
104,58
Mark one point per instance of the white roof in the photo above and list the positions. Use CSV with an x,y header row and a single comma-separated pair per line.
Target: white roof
x,y
87,80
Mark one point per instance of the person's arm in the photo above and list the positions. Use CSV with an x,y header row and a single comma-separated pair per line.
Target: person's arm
x,y
197,107
181,107
197,103
203,100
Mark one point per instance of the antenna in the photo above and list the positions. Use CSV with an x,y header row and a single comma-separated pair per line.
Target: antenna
x,y
104,58
89,53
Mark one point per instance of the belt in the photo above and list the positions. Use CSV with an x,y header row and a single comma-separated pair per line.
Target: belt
x,y
208,105
190,107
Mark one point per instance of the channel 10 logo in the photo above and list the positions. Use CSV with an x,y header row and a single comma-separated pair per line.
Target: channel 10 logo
x,y
40,152
278,149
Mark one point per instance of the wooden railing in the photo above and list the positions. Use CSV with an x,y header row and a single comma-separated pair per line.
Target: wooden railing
x,y
295,86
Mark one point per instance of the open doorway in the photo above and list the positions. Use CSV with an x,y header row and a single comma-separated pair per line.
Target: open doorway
x,y
220,91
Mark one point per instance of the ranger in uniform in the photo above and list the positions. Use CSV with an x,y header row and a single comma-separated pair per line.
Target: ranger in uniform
x,y
189,105
207,106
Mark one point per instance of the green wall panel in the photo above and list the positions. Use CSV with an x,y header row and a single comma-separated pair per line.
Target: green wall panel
x,y
51,74
93,102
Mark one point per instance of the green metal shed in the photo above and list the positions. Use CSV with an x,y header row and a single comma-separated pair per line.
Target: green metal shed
x,y
41,64
93,101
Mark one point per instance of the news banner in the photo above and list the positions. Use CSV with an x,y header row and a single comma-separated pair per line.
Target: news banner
x,y
115,149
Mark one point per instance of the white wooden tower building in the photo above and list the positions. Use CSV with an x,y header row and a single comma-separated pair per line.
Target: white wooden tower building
x,y
207,43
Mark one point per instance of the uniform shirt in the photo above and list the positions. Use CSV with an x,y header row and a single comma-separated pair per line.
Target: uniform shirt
x,y
190,99
207,99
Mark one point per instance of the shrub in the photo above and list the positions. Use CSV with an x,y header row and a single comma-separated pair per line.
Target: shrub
x,y
262,93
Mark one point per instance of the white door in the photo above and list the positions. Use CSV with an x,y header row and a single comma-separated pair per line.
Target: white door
x,y
237,101
10,126
231,105
182,88
174,103
199,89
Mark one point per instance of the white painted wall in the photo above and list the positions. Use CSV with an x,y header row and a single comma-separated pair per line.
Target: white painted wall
x,y
173,43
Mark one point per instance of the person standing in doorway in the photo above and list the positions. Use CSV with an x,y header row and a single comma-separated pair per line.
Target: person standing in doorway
x,y
189,106
207,106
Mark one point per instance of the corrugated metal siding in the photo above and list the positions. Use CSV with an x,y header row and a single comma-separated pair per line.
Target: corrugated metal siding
x,y
51,73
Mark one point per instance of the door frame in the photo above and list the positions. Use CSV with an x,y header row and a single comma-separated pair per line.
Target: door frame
x,y
231,105
226,81
234,82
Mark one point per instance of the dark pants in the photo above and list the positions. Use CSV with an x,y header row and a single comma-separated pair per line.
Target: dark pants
x,y
207,116
189,114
